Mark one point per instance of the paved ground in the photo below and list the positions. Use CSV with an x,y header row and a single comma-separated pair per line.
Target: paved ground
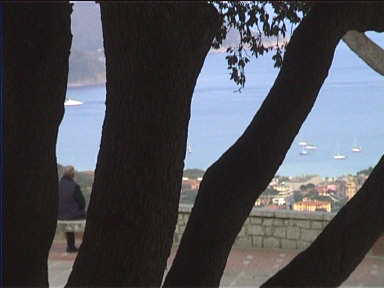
x,y
245,267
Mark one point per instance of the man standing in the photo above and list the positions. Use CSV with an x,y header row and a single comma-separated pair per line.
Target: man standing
x,y
71,204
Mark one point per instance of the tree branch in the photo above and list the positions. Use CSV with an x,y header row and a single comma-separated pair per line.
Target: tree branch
x,y
233,183
366,49
349,236
36,47
154,54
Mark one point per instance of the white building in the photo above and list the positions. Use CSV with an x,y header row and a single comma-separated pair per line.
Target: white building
x,y
279,201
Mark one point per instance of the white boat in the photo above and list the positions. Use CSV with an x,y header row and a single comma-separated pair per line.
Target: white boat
x,y
303,152
303,143
356,149
71,102
310,147
339,157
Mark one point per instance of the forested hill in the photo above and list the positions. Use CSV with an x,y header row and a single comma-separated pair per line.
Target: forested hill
x,y
86,26
87,30
87,61
86,68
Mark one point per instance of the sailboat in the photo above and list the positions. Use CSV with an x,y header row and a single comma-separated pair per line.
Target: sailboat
x,y
339,156
71,102
355,147
310,147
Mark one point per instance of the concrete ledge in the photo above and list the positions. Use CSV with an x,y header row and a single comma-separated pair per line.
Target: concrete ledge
x,y
262,212
304,215
185,208
70,225
264,228
329,216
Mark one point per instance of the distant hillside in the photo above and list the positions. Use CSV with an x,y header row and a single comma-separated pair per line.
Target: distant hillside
x,y
86,62
86,68
193,173
86,26
87,29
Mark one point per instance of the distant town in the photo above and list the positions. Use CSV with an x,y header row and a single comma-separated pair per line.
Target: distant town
x,y
303,193
300,193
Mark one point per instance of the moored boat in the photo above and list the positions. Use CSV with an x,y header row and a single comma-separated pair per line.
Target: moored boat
x,y
71,102
339,157
310,147
356,149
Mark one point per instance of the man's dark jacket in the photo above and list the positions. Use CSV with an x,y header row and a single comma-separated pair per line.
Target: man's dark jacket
x,y
71,200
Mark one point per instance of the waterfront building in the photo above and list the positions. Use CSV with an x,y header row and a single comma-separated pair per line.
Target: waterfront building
x,y
351,187
312,205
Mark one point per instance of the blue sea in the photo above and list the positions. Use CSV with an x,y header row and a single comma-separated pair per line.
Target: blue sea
x,y
349,110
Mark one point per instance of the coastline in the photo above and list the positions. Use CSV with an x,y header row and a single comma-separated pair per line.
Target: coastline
x,y
85,84
291,177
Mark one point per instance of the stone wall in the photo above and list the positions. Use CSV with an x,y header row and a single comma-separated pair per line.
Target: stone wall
x,y
267,228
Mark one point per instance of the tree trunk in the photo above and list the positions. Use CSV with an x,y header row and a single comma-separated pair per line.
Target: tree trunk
x,y
342,245
37,44
154,54
233,183
366,49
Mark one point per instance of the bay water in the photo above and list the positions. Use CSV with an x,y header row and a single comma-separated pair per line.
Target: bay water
x,y
349,111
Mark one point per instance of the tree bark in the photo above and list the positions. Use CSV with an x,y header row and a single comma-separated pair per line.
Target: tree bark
x,y
154,54
232,184
37,44
366,49
342,245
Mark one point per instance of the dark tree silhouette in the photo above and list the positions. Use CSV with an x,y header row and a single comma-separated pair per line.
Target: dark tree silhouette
x,y
232,184
37,43
154,53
